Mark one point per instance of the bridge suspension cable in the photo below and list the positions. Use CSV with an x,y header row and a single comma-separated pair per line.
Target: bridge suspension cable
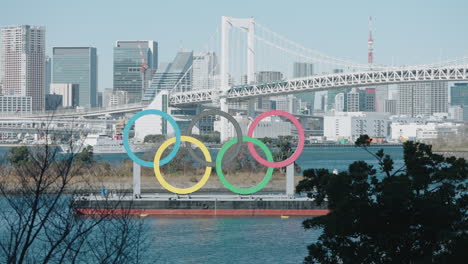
x,y
324,57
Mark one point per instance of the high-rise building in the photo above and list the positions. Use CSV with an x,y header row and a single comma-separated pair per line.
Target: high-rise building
x,y
422,99
77,65
69,93
459,97
99,99
381,94
390,106
106,96
459,94
351,126
244,79
323,102
340,102
330,103
369,105
455,112
114,98
23,63
48,74
353,101
130,58
118,98
263,102
168,75
288,103
268,76
439,97
53,101
15,104
331,94
203,70
301,70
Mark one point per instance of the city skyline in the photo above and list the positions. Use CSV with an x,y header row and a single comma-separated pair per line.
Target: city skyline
x,y
233,131
396,39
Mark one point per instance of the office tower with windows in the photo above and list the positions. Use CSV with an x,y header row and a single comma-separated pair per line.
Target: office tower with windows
x,y
268,76
323,102
370,98
118,98
302,70
77,65
353,101
69,93
23,63
53,102
135,61
99,99
331,94
422,99
381,94
106,96
15,104
179,72
340,102
459,94
263,103
390,106
459,97
439,97
330,102
48,74
203,70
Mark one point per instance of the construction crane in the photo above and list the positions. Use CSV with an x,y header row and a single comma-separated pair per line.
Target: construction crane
x,y
143,69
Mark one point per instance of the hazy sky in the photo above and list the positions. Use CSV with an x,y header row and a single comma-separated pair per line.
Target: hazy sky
x,y
407,32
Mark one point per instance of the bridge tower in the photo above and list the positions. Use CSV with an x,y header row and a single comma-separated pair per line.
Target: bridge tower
x,y
247,24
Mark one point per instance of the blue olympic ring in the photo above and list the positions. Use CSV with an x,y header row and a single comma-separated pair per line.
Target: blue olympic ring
x,y
129,125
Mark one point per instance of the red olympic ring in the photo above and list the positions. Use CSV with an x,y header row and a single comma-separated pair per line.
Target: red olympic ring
x,y
299,148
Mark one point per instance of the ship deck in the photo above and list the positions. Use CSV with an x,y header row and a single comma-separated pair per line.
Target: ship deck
x,y
217,205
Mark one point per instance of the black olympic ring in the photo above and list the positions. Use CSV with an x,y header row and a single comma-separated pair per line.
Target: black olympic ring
x,y
230,118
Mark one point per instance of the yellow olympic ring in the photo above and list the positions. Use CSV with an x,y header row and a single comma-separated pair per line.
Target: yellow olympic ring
x,y
161,179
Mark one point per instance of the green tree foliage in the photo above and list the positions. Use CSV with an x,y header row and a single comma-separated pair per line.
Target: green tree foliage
x,y
154,138
285,148
18,156
244,162
213,137
414,214
39,223
86,156
267,140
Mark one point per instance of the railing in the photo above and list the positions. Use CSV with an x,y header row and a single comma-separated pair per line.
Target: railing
x,y
73,112
327,82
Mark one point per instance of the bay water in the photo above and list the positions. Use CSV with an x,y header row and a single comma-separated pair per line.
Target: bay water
x,y
245,240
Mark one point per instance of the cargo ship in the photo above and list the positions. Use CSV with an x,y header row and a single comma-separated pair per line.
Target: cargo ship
x,y
199,206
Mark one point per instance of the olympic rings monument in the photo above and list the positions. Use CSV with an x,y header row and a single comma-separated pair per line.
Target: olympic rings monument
x,y
236,142
157,119
184,201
